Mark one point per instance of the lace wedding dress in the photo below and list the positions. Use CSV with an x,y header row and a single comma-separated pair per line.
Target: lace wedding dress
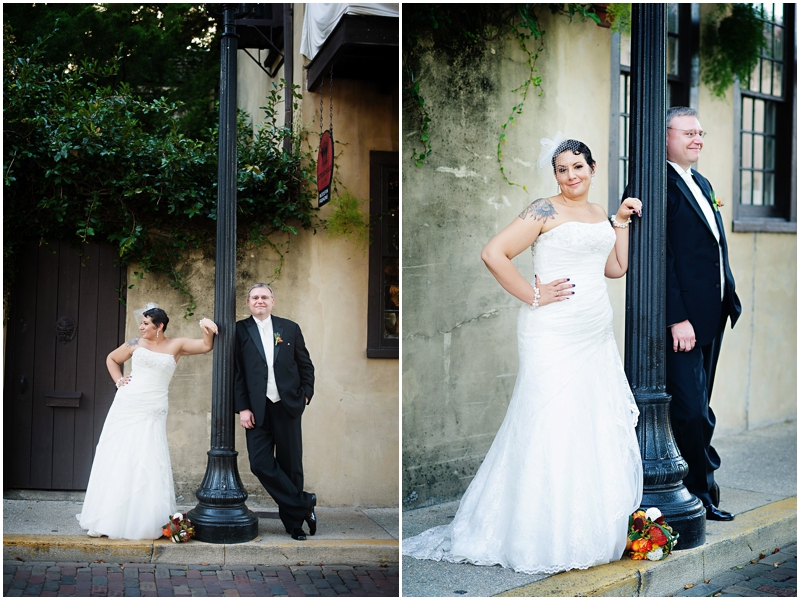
x,y
131,492
564,472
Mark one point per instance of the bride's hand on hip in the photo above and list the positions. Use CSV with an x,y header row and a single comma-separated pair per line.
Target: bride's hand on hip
x,y
557,290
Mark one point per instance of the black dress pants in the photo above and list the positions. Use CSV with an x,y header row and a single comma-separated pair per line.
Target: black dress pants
x,y
690,379
275,450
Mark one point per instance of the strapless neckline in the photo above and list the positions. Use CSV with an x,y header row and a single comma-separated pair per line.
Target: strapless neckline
x,y
154,352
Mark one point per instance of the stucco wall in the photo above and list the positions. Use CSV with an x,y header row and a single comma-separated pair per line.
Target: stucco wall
x,y
459,340
350,430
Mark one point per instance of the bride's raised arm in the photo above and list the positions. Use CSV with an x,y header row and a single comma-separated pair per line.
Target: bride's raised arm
x,y
190,346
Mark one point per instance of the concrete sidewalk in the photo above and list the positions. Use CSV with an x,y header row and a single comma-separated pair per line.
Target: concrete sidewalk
x,y
41,526
758,481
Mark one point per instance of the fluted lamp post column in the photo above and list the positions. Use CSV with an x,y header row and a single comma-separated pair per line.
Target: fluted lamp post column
x,y
645,311
221,516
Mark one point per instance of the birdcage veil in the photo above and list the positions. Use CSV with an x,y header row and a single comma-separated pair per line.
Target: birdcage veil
x,y
137,314
551,148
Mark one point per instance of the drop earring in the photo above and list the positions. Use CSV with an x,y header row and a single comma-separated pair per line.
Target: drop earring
x,y
592,180
157,332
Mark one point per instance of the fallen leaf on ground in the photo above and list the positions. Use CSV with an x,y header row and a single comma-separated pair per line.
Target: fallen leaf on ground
x,y
688,586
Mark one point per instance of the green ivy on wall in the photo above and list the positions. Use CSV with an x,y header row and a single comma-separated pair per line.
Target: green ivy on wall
x,y
466,28
83,161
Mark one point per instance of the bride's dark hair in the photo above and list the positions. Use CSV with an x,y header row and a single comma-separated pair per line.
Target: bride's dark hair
x,y
157,316
576,147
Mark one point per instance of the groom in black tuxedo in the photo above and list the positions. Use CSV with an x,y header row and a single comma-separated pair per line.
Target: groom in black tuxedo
x,y
273,383
701,295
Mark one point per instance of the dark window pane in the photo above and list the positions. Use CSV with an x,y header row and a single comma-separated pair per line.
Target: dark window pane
x,y
758,152
778,41
769,153
778,16
747,150
777,81
769,118
768,38
766,76
769,189
758,115
747,113
758,188
391,325
391,296
672,18
747,187
672,55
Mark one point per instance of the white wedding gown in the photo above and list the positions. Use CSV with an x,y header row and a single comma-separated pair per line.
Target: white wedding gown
x,y
564,472
131,492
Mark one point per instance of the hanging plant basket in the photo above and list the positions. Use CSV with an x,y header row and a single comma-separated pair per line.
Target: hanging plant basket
x,y
733,40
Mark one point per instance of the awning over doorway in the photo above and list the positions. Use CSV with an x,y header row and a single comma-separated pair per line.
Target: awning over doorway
x,y
360,41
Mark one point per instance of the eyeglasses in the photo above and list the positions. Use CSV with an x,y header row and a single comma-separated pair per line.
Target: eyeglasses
x,y
690,133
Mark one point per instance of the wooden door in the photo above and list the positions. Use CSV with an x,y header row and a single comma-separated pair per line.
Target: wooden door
x,y
66,316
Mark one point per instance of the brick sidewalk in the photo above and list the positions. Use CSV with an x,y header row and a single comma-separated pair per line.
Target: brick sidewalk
x,y
771,576
133,579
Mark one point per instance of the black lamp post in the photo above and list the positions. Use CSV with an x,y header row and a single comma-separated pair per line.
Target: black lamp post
x,y
645,312
221,516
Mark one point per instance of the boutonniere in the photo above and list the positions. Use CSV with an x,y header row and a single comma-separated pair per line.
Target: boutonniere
x,y
716,202
278,339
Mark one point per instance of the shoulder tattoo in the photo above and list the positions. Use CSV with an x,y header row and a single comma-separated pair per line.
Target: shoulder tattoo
x,y
541,209
133,342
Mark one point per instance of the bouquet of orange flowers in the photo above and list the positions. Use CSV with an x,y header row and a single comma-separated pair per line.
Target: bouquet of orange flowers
x,y
649,535
178,528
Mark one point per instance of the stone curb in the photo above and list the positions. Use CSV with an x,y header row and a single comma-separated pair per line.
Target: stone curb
x,y
734,543
72,548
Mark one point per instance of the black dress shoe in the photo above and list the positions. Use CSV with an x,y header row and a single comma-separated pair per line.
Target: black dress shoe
x,y
311,517
717,514
714,493
299,534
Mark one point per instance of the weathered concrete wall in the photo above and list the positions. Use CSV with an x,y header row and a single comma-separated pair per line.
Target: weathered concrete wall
x,y
351,428
459,339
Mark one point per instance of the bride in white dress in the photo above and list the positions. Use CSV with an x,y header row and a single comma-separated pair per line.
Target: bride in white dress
x,y
131,492
564,472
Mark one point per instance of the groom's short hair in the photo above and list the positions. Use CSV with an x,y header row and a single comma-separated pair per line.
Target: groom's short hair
x,y
258,285
681,111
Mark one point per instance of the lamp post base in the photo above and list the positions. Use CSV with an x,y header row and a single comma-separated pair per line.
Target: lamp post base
x,y
223,525
683,512
221,516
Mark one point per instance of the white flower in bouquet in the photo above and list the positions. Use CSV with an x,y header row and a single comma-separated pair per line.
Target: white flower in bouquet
x,y
652,513
179,516
656,554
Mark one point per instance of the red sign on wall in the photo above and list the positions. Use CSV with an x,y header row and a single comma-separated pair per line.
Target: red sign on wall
x,y
324,168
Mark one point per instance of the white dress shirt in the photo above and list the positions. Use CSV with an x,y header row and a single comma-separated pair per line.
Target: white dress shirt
x,y
268,341
708,212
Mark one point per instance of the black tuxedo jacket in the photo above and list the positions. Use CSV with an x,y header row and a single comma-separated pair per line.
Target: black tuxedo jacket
x,y
693,271
294,372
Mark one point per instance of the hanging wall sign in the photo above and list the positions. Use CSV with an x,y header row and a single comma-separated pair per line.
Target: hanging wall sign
x,y
325,168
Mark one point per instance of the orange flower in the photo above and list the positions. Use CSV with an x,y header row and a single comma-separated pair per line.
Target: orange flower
x,y
642,545
638,555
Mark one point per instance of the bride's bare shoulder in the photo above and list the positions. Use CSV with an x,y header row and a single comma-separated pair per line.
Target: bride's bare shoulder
x,y
540,209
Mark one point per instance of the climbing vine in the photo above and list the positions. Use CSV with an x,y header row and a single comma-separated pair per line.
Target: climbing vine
x,y
463,29
84,161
